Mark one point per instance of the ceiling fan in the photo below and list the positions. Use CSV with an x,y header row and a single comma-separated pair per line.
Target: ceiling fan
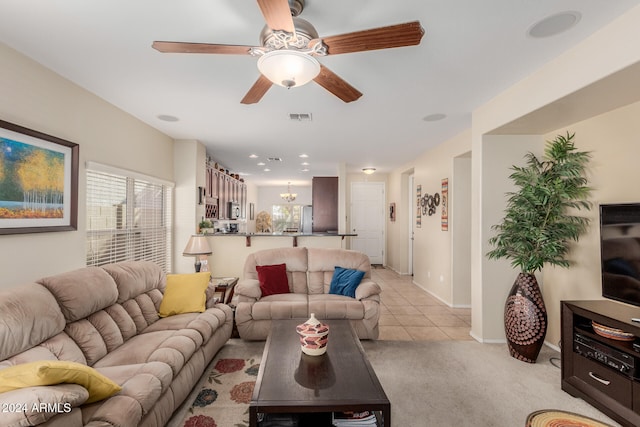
x,y
290,44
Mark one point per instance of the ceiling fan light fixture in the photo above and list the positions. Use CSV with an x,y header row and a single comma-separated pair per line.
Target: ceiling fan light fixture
x,y
288,68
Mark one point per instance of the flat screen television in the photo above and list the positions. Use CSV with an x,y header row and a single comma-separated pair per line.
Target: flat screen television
x,y
620,252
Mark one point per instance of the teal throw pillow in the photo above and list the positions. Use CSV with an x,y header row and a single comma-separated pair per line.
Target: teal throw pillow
x,y
345,281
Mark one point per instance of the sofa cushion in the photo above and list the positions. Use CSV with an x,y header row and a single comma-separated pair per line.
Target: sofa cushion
x,y
273,279
24,325
82,292
51,372
322,262
336,307
135,278
184,293
280,306
295,258
35,405
345,281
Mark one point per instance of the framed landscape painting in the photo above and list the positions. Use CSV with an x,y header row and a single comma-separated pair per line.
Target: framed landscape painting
x,y
38,181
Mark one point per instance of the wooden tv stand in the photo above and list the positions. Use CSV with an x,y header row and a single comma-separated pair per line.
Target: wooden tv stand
x,y
615,392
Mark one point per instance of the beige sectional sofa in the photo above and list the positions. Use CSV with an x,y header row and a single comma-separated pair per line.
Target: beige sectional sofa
x,y
309,272
106,318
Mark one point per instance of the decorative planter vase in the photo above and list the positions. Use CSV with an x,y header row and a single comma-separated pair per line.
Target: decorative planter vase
x,y
525,318
314,336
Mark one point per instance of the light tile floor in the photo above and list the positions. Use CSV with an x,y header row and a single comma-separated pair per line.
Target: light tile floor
x,y
409,313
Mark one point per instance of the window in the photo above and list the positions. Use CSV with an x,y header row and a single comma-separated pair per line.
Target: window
x,y
286,218
128,217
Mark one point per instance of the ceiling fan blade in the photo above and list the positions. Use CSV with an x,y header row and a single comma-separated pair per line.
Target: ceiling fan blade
x,y
407,34
336,85
277,14
257,91
185,47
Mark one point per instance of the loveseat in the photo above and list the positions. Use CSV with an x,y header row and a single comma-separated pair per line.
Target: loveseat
x,y
104,320
309,273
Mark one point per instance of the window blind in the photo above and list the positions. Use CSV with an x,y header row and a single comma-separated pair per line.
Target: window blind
x,y
128,218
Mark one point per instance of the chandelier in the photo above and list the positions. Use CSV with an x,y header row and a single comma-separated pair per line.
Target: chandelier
x,y
289,196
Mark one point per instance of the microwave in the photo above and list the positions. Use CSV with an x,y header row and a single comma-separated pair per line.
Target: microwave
x,y
234,210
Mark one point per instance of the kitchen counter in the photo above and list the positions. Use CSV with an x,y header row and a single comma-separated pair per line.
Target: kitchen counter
x,y
294,236
230,250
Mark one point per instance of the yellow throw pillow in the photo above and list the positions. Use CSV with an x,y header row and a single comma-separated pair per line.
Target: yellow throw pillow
x,y
185,293
51,372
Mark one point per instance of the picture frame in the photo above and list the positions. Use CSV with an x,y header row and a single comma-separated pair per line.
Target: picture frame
x,y
38,181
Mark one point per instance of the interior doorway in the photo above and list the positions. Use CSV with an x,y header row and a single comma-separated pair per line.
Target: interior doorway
x,y
411,199
368,219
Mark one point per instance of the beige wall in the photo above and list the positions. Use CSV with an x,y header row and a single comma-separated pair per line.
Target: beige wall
x,y
564,91
34,97
432,247
614,140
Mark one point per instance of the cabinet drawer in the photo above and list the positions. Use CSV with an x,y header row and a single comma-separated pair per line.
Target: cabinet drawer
x,y
603,379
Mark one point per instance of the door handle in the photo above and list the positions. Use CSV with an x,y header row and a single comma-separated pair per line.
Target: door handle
x,y
600,380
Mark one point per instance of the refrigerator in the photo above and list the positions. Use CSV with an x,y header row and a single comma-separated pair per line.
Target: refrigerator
x,y
307,219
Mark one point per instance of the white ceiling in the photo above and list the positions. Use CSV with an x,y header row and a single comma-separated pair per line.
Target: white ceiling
x,y
471,51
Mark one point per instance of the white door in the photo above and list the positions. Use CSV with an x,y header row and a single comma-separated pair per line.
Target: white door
x,y
368,219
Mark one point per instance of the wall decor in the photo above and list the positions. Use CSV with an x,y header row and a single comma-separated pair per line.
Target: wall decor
x,y
392,212
38,181
445,204
418,206
428,203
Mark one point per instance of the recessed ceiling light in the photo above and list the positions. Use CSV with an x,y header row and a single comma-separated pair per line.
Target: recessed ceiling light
x,y
305,163
554,24
303,156
267,170
261,164
167,118
305,170
434,117
253,156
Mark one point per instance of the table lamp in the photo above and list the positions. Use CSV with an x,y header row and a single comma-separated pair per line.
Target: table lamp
x,y
199,247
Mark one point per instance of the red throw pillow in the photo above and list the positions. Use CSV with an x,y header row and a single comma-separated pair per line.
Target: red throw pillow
x,y
273,279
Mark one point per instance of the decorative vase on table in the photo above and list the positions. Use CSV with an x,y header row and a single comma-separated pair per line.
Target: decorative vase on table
x,y
314,336
525,318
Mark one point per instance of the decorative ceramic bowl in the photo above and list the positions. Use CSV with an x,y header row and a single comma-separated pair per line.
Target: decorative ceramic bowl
x,y
314,336
612,333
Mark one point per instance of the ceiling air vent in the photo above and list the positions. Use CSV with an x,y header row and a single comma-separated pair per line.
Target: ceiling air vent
x,y
300,117
274,159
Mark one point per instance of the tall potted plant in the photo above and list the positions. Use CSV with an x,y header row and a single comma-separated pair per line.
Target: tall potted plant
x,y
538,226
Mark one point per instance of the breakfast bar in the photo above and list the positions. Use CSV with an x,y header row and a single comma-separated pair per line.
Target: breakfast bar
x,y
231,249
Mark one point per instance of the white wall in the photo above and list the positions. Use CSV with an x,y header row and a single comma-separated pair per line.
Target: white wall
x,y
267,196
189,167
34,97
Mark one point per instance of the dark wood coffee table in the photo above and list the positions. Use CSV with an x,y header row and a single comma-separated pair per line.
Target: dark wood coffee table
x,y
341,380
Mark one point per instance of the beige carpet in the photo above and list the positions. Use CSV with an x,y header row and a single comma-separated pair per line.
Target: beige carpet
x,y
443,383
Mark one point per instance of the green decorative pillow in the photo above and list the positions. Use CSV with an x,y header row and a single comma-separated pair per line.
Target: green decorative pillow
x,y
345,281
51,372
185,293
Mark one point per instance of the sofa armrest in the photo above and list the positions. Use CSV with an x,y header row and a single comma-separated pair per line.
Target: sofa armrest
x,y
248,290
367,289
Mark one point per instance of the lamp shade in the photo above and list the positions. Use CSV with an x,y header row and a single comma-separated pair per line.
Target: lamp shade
x,y
197,245
288,68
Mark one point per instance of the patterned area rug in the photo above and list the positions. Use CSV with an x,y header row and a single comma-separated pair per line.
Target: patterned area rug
x,y
223,400
555,418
